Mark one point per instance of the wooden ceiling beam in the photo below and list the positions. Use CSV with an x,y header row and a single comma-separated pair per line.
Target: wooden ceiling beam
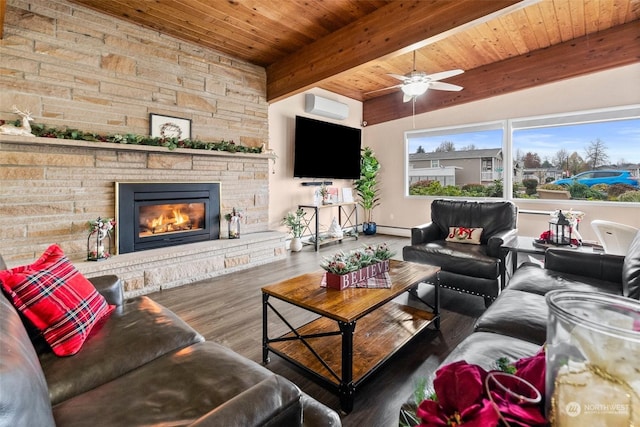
x,y
393,29
607,49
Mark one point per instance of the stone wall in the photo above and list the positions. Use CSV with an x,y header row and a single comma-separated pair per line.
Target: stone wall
x,y
75,68
71,66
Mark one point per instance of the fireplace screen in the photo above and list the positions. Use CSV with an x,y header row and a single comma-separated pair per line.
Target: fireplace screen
x,y
170,218
155,215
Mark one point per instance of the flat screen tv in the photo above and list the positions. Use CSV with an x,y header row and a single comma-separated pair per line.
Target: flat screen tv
x,y
326,150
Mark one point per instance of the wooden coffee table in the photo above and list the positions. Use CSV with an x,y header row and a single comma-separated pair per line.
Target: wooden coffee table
x,y
330,348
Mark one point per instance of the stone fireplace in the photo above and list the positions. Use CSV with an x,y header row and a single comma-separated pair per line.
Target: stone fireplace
x,y
52,187
157,215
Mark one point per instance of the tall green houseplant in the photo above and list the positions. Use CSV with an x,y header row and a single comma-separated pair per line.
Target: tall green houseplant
x,y
367,188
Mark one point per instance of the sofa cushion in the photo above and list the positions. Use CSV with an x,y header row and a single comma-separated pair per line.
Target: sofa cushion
x,y
467,235
184,386
591,265
467,260
24,399
531,278
516,314
485,348
138,332
492,217
57,300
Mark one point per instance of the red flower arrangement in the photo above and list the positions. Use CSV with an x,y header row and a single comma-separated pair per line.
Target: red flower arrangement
x,y
545,237
467,395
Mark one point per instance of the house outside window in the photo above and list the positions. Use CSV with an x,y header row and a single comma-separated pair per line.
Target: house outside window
x,y
456,162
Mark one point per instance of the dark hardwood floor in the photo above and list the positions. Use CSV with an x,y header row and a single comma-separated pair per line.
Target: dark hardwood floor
x,y
228,310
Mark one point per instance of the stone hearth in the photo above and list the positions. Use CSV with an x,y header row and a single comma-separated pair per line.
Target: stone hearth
x,y
152,270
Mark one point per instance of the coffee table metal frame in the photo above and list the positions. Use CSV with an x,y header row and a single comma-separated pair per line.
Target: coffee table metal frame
x,y
343,384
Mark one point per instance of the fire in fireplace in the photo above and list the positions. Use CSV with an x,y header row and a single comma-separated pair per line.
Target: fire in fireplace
x,y
170,218
154,215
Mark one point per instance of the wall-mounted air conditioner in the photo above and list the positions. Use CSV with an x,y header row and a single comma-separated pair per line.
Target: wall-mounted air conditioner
x,y
320,106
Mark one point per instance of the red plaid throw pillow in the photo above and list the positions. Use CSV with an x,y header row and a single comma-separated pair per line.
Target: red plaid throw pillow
x,y
57,299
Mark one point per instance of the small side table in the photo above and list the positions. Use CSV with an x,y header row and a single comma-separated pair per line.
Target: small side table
x,y
525,245
347,219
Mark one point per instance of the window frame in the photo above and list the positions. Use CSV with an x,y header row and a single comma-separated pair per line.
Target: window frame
x,y
509,126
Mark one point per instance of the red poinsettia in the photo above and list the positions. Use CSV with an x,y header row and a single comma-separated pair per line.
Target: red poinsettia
x,y
520,412
533,369
463,399
459,387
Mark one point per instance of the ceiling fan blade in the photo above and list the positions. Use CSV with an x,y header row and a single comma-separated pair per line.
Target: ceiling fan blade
x,y
444,86
444,74
384,88
397,76
407,98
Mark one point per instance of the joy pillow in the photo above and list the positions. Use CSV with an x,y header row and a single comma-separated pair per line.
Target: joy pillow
x,y
58,300
464,235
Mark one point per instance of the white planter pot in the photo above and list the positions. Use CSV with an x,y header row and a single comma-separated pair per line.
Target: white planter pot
x,y
296,244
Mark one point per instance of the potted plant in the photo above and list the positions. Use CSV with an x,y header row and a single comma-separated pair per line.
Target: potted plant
x,y
324,193
348,269
296,224
367,188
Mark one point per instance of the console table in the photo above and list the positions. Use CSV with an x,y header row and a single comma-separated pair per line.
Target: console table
x,y
347,218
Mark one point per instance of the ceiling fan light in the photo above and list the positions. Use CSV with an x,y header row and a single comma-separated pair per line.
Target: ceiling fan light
x,y
415,88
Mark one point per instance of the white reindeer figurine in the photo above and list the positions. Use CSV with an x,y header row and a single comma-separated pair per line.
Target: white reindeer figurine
x,y
24,130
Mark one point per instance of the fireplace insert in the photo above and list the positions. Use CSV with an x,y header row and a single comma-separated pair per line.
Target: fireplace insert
x,y
155,215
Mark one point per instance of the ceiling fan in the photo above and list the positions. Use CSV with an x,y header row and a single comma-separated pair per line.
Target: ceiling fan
x,y
416,83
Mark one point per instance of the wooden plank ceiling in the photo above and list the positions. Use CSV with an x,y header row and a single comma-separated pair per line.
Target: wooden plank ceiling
x,y
349,46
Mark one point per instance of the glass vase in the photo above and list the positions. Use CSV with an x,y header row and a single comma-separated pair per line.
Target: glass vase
x,y
593,360
234,227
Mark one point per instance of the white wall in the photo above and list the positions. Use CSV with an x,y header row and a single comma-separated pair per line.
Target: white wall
x,y
611,88
286,192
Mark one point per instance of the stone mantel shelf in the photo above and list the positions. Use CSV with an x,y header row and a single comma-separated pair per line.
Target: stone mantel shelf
x,y
26,140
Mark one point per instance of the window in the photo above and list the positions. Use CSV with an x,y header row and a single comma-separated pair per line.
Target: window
x,y
465,162
592,155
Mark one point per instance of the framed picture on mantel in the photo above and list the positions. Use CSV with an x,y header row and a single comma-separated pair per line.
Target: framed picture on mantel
x,y
169,127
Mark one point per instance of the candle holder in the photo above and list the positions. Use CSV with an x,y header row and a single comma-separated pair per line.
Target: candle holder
x,y
99,239
560,230
233,223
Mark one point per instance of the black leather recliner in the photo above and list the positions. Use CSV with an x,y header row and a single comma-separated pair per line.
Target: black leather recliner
x,y
477,269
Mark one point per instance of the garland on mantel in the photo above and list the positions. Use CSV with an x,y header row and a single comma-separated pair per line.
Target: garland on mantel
x,y
43,131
